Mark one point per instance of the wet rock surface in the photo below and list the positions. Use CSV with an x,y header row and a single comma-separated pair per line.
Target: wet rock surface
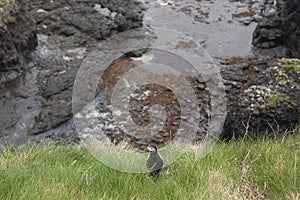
x,y
224,28
41,99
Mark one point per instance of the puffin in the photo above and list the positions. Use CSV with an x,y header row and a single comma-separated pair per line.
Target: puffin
x,y
154,161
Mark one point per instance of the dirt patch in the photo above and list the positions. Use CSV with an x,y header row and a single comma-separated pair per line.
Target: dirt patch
x,y
202,12
235,60
113,73
251,73
250,13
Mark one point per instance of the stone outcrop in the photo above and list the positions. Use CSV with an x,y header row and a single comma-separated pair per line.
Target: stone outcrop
x,y
270,105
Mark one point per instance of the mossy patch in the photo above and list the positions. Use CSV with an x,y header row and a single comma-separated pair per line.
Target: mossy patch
x,y
2,4
290,64
270,96
286,61
273,101
296,68
83,23
284,73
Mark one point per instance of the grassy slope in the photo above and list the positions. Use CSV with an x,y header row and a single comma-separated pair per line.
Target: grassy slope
x,y
261,169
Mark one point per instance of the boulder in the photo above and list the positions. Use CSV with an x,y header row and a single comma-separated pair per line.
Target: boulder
x,y
270,105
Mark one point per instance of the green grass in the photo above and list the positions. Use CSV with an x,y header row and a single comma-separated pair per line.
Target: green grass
x,y
254,169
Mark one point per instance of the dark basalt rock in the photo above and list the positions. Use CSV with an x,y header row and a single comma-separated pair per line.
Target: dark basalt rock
x,y
84,21
78,26
270,105
41,99
129,15
278,35
291,27
17,38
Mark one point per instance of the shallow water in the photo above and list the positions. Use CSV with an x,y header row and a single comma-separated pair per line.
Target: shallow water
x,y
208,22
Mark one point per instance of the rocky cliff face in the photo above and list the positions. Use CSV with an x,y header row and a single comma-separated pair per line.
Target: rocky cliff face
x,y
43,44
57,35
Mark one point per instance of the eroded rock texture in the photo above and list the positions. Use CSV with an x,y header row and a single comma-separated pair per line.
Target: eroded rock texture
x,y
270,105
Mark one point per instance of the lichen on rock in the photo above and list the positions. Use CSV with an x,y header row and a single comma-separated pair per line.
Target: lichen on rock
x,y
261,98
291,64
271,102
273,93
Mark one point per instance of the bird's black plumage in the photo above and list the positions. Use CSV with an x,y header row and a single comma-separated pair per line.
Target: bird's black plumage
x,y
154,161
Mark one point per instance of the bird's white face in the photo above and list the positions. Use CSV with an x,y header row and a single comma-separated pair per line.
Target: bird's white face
x,y
150,149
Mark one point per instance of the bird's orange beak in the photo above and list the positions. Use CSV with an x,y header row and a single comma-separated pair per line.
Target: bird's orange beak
x,y
146,150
